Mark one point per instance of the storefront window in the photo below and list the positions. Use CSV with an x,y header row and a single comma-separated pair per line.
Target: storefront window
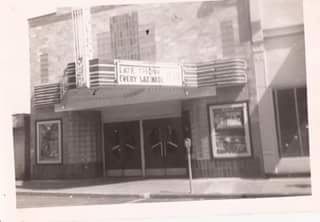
x,y
292,122
49,142
303,118
230,131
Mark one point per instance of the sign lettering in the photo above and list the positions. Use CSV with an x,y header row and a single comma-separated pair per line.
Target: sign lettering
x,y
139,73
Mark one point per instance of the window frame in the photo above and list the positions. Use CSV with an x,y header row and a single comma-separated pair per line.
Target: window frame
x,y
297,117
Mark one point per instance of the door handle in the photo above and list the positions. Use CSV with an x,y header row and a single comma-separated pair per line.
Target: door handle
x,y
165,149
161,149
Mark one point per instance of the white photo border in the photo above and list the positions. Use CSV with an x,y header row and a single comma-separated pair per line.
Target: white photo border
x,y
41,122
242,105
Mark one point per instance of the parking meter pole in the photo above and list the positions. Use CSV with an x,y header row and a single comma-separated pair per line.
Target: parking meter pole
x,y
187,144
190,171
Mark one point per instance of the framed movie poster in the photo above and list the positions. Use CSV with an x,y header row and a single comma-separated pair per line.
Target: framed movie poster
x,y
49,142
230,131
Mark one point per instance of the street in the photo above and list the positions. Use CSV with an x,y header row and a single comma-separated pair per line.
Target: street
x,y
41,200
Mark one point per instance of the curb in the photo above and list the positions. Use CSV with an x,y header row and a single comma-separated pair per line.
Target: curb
x,y
166,196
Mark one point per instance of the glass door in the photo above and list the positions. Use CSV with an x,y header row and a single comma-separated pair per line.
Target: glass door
x,y
122,148
164,151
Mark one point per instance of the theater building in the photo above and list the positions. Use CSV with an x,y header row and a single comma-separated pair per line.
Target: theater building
x,y
116,90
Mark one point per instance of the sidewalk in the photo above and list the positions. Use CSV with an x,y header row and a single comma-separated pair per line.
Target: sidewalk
x,y
170,188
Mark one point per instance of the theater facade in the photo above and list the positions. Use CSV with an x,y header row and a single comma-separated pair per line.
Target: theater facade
x,y
117,89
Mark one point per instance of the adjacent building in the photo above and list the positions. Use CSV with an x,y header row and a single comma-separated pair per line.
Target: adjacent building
x,y
116,90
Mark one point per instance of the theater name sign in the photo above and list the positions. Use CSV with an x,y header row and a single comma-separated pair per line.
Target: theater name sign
x,y
144,73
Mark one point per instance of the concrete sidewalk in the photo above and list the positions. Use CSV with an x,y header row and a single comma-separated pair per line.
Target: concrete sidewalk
x,y
171,188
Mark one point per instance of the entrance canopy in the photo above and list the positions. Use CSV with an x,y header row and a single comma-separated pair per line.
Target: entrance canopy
x,y
84,98
131,82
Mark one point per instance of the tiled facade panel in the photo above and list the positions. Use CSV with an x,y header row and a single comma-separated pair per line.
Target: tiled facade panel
x,y
83,136
81,145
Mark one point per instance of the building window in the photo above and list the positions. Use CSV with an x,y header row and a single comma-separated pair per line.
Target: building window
x,y
44,68
230,130
292,122
49,142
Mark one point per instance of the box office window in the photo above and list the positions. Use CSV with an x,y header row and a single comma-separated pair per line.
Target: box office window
x,y
230,131
292,122
49,142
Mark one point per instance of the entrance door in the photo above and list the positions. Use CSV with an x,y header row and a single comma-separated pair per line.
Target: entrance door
x,y
122,149
163,146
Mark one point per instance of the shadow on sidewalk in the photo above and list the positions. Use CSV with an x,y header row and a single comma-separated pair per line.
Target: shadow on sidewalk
x,y
63,184
74,183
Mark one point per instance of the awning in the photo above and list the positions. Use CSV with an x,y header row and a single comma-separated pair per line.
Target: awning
x,y
84,98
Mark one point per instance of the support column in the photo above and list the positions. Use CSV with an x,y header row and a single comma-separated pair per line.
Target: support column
x,y
264,119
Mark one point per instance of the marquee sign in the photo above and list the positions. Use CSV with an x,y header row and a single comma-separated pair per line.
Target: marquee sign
x,y
144,73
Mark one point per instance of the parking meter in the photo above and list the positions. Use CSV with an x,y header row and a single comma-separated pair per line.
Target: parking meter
x,y
187,144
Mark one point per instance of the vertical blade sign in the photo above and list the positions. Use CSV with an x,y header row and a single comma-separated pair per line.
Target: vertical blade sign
x,y
82,45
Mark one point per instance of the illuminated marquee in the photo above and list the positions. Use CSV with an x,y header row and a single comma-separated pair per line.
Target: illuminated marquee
x,y
142,73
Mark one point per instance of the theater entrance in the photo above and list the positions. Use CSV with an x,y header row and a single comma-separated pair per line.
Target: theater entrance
x,y
122,149
145,148
163,147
